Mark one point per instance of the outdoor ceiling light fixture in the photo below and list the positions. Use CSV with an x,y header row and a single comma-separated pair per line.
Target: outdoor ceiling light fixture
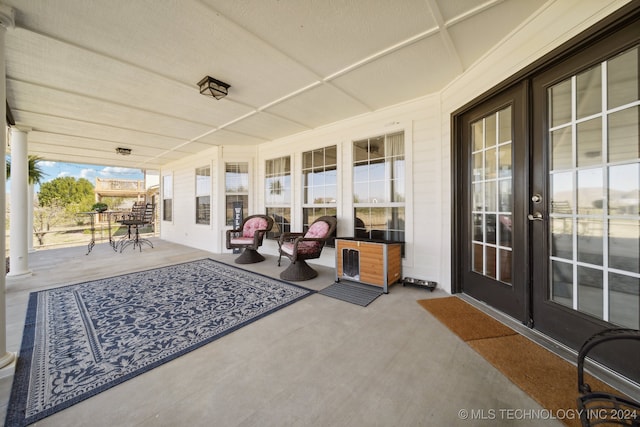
x,y
212,87
123,151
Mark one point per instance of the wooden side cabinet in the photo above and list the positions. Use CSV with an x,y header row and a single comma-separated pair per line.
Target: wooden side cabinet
x,y
371,262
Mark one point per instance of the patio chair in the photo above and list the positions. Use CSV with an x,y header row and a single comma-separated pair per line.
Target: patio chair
x,y
249,237
601,407
299,247
141,215
136,211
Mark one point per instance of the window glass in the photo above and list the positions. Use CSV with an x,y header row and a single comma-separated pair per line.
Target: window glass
x,y
278,194
320,186
203,199
167,198
236,182
379,191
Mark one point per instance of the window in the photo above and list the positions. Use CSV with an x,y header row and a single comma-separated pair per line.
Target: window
x,y
278,194
379,187
167,198
203,195
236,180
319,177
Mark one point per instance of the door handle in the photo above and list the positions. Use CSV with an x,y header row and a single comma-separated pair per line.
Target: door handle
x,y
536,216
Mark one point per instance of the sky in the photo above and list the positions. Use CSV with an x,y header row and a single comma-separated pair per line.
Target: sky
x,y
53,170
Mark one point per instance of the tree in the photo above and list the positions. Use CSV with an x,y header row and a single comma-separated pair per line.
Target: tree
x,y
36,175
45,218
74,195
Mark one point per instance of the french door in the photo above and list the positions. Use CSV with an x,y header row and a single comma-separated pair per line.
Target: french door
x,y
493,249
547,196
586,247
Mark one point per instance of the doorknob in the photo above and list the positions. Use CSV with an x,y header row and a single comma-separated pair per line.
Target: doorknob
x,y
536,216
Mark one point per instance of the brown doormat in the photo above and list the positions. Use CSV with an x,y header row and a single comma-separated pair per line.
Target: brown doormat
x,y
546,377
465,320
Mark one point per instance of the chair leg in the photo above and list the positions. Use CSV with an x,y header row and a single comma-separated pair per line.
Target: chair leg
x,y
137,241
249,256
124,241
297,271
145,241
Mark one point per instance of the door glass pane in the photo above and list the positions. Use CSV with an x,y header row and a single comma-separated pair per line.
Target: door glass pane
x,y
505,196
490,228
561,153
590,193
478,227
490,267
504,130
490,163
590,295
624,251
590,240
505,266
504,160
504,230
624,300
595,191
478,166
478,197
477,134
624,189
624,142
478,258
562,193
560,103
589,142
589,92
561,238
490,131
492,196
562,283
622,79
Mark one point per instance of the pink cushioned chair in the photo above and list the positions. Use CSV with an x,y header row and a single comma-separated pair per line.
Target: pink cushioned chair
x,y
249,237
299,247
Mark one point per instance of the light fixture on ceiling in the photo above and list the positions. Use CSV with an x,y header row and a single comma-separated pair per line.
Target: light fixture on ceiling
x,y
123,151
212,87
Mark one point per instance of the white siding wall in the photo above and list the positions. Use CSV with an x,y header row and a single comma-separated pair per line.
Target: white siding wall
x,y
427,126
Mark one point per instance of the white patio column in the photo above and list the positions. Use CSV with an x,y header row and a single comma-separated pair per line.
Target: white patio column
x,y
30,247
18,218
6,21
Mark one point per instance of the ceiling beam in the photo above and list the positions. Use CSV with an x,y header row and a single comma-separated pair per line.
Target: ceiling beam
x,y
444,34
472,12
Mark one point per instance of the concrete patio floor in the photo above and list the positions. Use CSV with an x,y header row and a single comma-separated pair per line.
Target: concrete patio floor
x,y
318,362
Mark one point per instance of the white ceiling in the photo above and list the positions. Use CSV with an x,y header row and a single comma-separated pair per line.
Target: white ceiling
x,y
90,76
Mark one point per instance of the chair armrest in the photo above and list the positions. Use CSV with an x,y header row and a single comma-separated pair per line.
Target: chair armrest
x,y
596,339
258,236
288,236
302,239
229,236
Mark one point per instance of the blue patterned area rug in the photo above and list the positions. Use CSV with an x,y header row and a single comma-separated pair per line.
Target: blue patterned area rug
x,y
80,340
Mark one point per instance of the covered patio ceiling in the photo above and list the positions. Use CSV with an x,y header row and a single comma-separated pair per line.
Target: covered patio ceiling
x,y
90,76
